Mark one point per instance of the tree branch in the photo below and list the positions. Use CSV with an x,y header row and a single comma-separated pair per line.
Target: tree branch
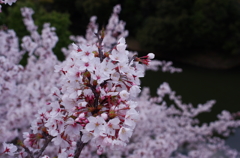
x,y
100,40
47,141
30,155
79,148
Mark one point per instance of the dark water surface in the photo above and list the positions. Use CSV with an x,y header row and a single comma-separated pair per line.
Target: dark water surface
x,y
198,85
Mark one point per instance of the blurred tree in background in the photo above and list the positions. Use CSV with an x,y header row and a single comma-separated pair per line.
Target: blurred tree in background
x,y
176,26
173,27
192,25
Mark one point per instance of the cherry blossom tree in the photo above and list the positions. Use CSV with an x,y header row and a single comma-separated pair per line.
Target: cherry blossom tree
x,y
92,104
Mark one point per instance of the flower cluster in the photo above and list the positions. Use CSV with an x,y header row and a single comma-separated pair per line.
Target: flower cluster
x,y
96,99
9,46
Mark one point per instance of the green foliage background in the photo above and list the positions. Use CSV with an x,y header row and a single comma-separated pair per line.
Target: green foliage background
x,y
193,25
12,18
177,27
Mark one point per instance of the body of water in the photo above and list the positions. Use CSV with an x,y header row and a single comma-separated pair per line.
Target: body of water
x,y
198,85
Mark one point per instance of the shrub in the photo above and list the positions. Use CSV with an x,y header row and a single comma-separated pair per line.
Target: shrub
x,y
186,26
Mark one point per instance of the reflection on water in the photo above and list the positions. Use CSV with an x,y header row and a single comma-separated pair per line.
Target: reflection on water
x,y
198,85
234,140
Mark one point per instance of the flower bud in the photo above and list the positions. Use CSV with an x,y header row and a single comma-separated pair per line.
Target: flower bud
x,y
151,55
82,115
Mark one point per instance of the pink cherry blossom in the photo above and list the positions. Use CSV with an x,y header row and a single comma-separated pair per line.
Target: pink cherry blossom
x,y
125,133
96,124
112,125
9,149
124,95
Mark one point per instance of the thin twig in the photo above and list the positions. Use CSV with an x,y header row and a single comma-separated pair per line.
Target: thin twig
x,y
100,40
30,154
47,141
